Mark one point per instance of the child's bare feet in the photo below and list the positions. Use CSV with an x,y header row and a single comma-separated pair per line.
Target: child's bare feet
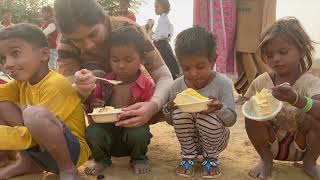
x,y
141,168
23,166
72,174
312,170
95,168
262,170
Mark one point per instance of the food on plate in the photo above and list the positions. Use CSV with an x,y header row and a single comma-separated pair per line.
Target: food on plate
x,y
262,104
107,109
189,96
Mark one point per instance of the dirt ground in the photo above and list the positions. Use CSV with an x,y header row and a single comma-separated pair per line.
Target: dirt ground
x,y
164,150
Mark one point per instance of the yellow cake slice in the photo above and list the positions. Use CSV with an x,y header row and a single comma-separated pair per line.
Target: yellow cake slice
x,y
262,103
107,109
189,96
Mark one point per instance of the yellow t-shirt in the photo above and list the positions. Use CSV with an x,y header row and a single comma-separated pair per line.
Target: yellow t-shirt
x,y
54,92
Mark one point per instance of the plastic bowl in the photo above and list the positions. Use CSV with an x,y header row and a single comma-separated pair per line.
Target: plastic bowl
x,y
105,117
248,111
194,107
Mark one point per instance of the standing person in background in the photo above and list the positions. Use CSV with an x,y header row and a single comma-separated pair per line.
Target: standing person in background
x,y
49,28
149,27
124,10
163,35
219,17
6,19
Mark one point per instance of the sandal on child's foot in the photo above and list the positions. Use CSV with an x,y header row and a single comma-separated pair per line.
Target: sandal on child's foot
x,y
186,167
211,169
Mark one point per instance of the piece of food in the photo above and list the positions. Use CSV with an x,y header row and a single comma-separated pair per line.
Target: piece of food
x,y
189,96
262,103
107,109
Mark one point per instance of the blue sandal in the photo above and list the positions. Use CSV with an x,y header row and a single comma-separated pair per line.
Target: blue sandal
x,y
187,165
207,167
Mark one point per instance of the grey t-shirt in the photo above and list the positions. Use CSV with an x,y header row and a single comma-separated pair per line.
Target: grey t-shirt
x,y
221,87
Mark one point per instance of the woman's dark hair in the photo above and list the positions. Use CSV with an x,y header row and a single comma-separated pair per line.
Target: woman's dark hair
x,y
70,13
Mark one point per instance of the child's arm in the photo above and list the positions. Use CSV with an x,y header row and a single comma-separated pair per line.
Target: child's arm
x,y
227,112
310,105
10,92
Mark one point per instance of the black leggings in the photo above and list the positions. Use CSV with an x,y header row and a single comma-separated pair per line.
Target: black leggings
x,y
167,54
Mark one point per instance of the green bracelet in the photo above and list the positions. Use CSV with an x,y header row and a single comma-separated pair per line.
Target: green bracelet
x,y
297,98
308,105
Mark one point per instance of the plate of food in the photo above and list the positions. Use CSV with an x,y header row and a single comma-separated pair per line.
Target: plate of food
x,y
190,100
107,114
262,106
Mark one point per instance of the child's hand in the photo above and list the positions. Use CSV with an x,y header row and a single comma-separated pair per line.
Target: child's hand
x,y
284,92
85,82
213,105
97,103
171,105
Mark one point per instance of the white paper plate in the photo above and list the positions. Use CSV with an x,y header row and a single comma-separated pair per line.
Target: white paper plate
x,y
248,111
105,117
194,107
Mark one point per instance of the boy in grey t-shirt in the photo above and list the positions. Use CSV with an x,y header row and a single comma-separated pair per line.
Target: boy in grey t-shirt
x,y
206,131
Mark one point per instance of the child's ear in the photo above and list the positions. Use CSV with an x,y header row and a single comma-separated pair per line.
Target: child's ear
x,y
44,54
213,61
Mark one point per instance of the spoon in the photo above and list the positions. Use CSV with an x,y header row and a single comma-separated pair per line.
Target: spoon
x,y
114,82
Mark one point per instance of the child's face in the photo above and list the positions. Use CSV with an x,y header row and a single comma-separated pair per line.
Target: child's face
x,y
158,8
124,6
46,15
22,61
125,62
283,57
197,70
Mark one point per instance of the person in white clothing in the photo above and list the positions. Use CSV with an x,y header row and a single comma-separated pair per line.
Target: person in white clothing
x,y
163,35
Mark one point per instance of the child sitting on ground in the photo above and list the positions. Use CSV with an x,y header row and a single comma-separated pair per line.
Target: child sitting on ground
x,y
293,135
106,140
5,156
50,131
205,132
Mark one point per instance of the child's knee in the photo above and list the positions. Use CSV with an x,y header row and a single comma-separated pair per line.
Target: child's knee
x,y
36,116
249,123
138,135
95,133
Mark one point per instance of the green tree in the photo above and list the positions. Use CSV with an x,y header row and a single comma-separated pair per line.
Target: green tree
x,y
111,6
29,10
24,10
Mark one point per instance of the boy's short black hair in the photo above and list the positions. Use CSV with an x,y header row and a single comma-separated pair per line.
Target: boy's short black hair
x,y
70,13
128,35
28,32
195,41
47,9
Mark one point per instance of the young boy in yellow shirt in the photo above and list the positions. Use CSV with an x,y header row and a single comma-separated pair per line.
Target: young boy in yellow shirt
x,y
50,130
